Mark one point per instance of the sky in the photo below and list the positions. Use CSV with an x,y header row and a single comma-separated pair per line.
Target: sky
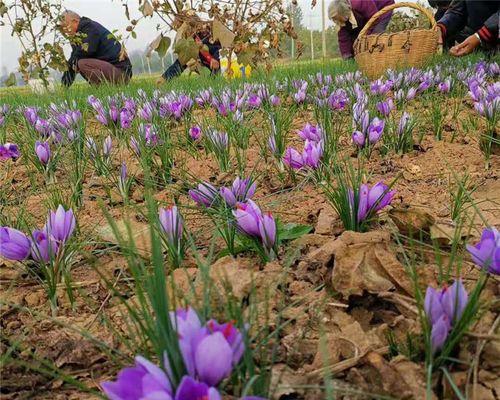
x,y
110,13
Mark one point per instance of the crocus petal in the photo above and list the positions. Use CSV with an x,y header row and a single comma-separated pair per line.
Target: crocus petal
x,y
213,359
439,333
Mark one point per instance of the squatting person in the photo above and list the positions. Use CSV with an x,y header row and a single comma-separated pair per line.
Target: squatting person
x,y
96,55
209,49
351,16
471,23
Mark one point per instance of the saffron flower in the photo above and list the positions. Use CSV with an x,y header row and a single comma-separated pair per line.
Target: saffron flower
x,y
43,246
9,150
204,195
486,253
359,138
274,100
42,150
443,309
107,146
293,158
190,389
14,245
142,381
310,132
252,222
172,224
385,107
313,151
195,133
216,349
372,200
375,130
61,224
241,191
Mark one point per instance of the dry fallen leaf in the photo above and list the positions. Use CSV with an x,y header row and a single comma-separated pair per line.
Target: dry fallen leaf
x,y
223,34
363,261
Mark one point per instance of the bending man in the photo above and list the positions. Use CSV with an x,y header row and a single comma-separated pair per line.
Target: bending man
x,y
96,55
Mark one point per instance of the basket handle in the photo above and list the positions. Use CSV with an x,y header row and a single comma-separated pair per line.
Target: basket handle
x,y
391,7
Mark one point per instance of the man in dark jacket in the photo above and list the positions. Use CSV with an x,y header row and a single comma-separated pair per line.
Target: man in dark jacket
x,y
96,55
441,5
471,23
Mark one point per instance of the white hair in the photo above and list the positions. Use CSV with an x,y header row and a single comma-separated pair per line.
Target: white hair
x,y
70,15
339,8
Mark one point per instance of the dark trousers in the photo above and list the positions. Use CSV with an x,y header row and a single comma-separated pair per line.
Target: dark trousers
x,y
174,70
97,71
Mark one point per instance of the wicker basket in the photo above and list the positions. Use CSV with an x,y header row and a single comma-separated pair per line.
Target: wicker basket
x,y
378,52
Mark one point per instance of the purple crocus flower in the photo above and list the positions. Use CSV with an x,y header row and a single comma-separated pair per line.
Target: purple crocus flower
x,y
313,151
486,253
219,139
375,130
150,135
310,132
274,100
185,321
271,143
190,389
254,101
204,195
338,99
372,200
92,147
241,191
445,86
126,118
31,115
212,356
300,96
385,107
102,118
114,113
42,150
43,246
403,123
254,223
134,145
172,224
410,95
107,146
267,230
61,224
195,132
14,245
146,112
293,158
142,381
379,197
444,308
359,138
9,150
248,215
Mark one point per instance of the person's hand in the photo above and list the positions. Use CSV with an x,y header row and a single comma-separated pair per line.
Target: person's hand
x,y
214,64
466,47
160,81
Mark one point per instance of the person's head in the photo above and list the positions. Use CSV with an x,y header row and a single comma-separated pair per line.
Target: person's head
x,y
339,11
69,22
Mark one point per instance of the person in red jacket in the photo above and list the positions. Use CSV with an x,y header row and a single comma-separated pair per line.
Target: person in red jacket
x,y
471,23
351,16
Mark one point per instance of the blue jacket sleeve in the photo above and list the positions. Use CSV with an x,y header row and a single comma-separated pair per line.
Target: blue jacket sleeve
x,y
454,19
